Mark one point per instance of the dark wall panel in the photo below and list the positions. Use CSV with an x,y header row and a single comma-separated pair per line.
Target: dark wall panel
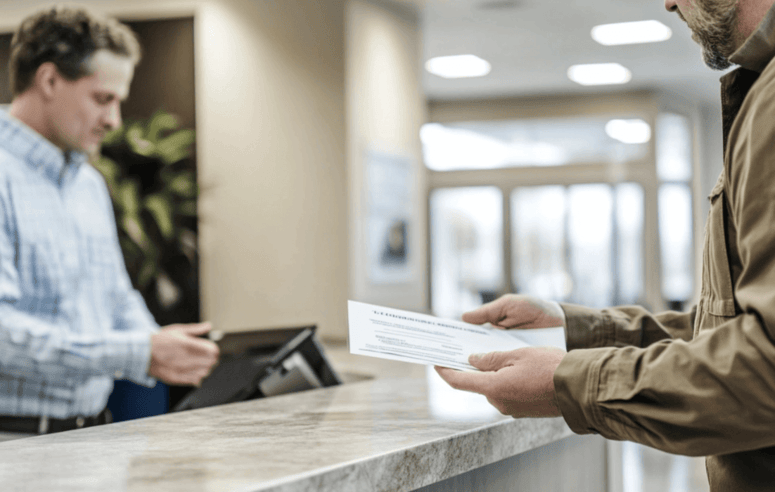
x,y
164,79
5,54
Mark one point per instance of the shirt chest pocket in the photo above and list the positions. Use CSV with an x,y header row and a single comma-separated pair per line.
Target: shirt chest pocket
x,y
717,293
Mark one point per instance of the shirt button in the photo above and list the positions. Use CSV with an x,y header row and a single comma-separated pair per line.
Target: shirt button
x,y
118,374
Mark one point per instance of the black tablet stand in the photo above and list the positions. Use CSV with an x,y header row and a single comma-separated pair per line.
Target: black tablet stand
x,y
260,363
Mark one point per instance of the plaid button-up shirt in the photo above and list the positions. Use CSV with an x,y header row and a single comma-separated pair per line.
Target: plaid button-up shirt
x,y
70,321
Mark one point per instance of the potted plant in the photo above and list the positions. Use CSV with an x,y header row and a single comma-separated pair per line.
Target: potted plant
x,y
150,171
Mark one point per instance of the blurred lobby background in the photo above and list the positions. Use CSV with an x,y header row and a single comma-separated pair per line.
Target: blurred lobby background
x,y
333,165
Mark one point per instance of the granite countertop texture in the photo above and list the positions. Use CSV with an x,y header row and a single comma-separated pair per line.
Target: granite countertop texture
x,y
394,433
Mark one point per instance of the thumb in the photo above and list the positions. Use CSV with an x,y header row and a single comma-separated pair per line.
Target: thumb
x,y
492,312
476,317
196,329
491,361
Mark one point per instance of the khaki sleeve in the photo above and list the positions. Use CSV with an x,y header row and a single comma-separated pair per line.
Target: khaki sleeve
x,y
716,393
713,395
623,326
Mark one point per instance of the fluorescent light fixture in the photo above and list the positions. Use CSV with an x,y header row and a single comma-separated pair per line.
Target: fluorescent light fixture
x,y
448,149
635,131
599,74
458,66
649,31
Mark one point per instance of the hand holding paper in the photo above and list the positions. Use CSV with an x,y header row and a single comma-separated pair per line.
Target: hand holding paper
x,y
519,382
516,378
422,339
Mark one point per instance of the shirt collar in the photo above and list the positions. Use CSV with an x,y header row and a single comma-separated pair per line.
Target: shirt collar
x,y
757,51
36,151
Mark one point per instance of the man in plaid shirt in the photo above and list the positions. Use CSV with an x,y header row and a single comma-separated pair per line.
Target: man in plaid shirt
x,y
70,321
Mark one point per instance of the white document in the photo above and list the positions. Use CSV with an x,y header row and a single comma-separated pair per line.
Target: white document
x,y
394,334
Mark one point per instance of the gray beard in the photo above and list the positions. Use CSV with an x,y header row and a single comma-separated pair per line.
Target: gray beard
x,y
716,36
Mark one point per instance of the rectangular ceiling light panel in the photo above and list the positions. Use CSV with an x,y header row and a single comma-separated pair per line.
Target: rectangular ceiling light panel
x,y
458,66
599,74
649,31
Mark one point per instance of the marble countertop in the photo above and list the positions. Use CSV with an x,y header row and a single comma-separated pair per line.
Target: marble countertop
x,y
394,433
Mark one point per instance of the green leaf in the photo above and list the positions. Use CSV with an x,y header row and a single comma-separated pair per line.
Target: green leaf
x,y
128,196
137,141
161,209
147,273
161,122
188,208
113,137
134,230
184,184
175,147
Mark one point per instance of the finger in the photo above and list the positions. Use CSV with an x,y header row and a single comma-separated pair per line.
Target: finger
x,y
491,361
192,377
196,329
476,382
202,347
486,313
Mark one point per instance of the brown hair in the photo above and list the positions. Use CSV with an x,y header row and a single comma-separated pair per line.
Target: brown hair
x,y
68,37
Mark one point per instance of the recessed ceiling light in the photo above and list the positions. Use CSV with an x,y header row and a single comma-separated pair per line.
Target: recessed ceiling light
x,y
634,131
599,74
649,31
458,66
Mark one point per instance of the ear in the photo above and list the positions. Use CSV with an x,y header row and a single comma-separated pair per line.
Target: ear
x,y
46,78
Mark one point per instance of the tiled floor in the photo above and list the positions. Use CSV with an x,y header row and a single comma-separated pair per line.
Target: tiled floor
x,y
649,470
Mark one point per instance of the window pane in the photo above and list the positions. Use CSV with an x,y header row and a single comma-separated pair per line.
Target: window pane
x,y
674,148
538,242
466,248
590,231
500,144
629,223
675,237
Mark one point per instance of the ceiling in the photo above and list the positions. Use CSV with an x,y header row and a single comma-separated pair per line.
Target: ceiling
x,y
531,44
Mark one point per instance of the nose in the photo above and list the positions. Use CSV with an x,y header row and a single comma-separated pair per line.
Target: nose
x,y
113,116
671,5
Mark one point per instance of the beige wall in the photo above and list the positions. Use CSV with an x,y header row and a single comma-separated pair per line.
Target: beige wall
x,y
271,148
385,109
274,213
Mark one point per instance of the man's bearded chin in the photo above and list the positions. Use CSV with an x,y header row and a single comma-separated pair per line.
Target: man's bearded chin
x,y
714,30
713,57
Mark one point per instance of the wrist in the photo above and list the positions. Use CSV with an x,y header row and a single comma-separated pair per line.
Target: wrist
x,y
557,313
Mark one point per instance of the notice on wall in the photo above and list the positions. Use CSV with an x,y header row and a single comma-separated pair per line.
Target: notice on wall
x,y
390,188
405,336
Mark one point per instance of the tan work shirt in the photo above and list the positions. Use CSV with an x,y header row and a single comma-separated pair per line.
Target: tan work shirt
x,y
700,383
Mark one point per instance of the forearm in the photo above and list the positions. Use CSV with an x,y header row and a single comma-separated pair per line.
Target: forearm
x,y
712,395
623,326
32,347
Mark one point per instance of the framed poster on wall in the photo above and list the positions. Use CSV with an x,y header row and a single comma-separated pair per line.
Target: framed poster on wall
x,y
389,188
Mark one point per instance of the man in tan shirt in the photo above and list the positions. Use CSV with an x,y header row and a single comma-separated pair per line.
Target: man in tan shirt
x,y
700,383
